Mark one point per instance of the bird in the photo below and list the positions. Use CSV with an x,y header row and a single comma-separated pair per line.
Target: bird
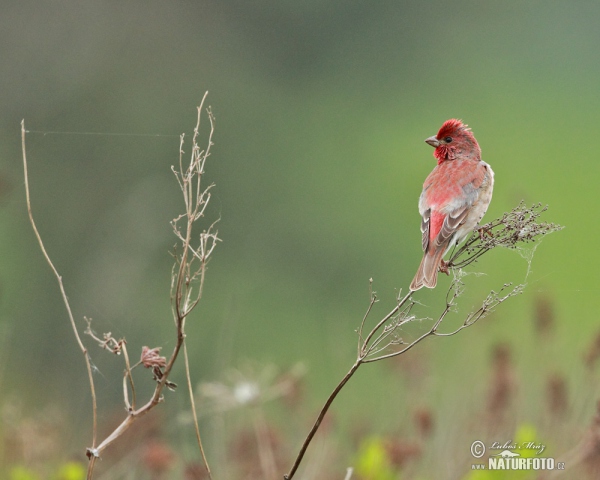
x,y
455,197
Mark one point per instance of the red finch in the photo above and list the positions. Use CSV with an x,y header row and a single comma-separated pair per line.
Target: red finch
x,y
455,196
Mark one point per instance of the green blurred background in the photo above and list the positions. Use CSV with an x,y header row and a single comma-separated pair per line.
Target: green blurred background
x,y
321,111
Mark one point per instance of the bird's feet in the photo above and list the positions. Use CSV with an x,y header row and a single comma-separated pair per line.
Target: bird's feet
x,y
484,231
444,267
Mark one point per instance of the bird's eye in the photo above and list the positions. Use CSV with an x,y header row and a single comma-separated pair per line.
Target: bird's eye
x,y
448,139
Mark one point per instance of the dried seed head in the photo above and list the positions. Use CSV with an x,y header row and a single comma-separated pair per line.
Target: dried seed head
x,y
401,451
158,457
151,358
557,394
423,418
593,353
503,382
544,315
515,228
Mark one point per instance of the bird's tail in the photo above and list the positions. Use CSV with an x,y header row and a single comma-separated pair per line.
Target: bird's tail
x,y
427,273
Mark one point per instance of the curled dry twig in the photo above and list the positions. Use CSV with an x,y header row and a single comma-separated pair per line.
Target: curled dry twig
x,y
191,257
512,229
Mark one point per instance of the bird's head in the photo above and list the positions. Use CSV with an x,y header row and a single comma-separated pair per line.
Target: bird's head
x,y
454,141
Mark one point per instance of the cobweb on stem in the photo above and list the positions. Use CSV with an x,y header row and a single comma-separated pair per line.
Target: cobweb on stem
x,y
513,230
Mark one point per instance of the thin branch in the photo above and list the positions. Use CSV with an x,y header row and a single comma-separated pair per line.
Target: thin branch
x,y
401,317
187,283
62,290
194,414
399,305
319,419
362,324
128,377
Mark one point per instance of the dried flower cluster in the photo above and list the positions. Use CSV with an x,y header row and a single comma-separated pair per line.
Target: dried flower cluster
x,y
511,230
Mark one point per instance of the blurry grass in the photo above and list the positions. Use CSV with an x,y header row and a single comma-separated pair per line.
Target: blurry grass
x,y
319,160
378,433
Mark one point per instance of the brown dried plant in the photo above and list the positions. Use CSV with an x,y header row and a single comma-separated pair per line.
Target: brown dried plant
x,y
512,230
191,255
584,457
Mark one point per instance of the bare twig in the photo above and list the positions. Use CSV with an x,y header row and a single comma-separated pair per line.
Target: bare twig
x,y
187,285
517,226
108,342
194,414
63,293
373,296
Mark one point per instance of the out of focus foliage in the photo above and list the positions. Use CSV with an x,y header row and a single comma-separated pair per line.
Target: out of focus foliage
x,y
321,111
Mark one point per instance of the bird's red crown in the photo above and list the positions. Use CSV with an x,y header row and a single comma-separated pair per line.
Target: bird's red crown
x,y
452,127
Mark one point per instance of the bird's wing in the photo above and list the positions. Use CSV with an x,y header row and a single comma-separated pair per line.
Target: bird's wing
x,y
448,194
450,224
425,228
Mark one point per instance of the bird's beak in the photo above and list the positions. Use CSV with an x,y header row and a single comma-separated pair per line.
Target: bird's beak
x,y
433,141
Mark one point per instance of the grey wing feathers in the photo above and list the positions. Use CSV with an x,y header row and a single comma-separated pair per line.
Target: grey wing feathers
x,y
425,229
450,225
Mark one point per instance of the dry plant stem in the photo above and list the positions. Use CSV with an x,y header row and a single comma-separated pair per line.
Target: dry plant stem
x,y
186,285
127,377
364,350
370,347
265,449
117,347
62,288
194,414
196,201
362,323
322,413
